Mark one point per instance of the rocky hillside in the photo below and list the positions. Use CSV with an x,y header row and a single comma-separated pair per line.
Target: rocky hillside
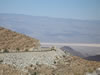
x,y
10,70
72,51
67,66
45,63
10,40
71,65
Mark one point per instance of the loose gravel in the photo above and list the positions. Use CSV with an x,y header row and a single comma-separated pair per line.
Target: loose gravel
x,y
23,59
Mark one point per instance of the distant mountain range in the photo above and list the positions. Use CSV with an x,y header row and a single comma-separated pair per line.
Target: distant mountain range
x,y
48,29
93,58
73,52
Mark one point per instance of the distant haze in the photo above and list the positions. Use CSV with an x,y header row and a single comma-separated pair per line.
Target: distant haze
x,y
48,29
75,9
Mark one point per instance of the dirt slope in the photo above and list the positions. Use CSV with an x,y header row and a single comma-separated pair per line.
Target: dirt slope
x,y
10,70
71,65
11,40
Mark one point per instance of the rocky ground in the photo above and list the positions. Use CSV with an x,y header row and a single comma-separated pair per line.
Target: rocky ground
x,y
10,70
23,59
54,62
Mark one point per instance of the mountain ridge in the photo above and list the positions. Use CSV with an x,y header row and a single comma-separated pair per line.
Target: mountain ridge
x,y
72,51
48,29
93,58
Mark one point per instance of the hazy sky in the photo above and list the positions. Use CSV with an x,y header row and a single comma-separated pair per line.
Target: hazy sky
x,y
76,9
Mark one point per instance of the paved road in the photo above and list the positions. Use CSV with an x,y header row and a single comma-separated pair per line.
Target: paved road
x,y
72,44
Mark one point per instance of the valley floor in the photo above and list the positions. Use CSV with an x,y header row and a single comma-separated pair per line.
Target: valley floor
x,y
72,44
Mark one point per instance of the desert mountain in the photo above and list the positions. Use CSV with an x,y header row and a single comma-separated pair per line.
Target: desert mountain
x,y
72,51
93,58
11,40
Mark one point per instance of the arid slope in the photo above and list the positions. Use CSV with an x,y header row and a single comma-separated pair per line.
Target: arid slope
x,y
11,40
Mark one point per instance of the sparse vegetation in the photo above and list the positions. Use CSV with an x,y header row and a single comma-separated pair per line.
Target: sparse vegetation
x,y
1,61
37,63
18,49
6,50
77,66
26,50
31,65
55,62
10,70
90,70
19,40
35,73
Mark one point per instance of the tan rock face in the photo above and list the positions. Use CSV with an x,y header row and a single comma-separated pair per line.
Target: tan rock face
x,y
15,41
